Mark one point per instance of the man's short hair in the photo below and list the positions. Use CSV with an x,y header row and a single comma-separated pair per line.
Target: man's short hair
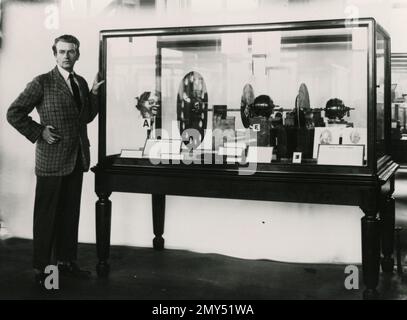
x,y
66,38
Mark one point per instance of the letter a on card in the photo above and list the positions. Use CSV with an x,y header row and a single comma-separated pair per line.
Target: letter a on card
x,y
146,123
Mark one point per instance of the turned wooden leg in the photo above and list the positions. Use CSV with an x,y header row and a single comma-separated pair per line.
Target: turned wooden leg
x,y
370,253
103,220
158,220
398,251
387,215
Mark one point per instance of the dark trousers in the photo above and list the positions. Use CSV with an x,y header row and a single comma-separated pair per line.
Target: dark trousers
x,y
56,217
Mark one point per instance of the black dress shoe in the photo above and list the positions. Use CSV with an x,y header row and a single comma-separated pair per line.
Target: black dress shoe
x,y
72,270
39,280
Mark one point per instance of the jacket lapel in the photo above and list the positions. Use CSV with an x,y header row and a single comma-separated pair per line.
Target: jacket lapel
x,y
60,82
63,87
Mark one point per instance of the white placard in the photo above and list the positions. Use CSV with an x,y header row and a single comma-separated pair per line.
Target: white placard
x,y
297,157
129,153
325,135
171,146
341,154
152,149
171,156
155,147
355,136
260,154
241,145
332,135
145,123
230,152
233,159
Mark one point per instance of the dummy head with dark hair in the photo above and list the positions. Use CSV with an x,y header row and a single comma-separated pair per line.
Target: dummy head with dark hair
x,y
148,104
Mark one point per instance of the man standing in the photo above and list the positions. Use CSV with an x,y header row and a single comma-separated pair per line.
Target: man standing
x,y
65,106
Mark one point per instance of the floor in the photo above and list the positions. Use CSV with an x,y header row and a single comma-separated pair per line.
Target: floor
x,y
142,273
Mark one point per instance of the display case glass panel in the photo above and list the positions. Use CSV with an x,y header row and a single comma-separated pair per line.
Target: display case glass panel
x,y
380,93
399,107
262,93
399,95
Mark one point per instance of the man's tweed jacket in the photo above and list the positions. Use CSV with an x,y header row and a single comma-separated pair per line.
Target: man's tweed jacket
x,y
50,95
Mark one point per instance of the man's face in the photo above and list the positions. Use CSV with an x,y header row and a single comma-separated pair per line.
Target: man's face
x,y
66,55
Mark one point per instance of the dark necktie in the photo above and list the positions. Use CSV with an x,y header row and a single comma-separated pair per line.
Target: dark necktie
x,y
75,91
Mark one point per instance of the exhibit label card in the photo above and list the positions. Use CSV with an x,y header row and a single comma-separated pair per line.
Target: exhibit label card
x,y
231,152
333,135
129,153
155,147
260,154
341,154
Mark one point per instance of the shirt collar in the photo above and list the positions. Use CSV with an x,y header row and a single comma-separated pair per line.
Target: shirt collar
x,y
64,73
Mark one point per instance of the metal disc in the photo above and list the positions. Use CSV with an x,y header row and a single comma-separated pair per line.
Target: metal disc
x,y
192,109
302,105
302,100
246,103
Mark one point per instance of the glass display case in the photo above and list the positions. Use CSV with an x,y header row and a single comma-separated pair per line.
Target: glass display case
x,y
299,96
293,112
399,107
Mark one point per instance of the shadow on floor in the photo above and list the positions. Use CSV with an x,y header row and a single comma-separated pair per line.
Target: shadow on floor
x,y
143,273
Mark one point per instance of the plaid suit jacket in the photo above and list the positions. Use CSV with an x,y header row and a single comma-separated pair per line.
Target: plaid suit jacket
x,y
50,95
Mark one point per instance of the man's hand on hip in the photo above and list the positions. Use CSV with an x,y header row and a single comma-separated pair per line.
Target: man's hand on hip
x,y
49,135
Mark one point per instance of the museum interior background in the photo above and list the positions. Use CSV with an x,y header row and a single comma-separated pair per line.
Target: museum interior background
x,y
247,229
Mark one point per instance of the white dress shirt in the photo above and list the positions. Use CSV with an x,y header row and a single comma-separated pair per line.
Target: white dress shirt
x,y
65,75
